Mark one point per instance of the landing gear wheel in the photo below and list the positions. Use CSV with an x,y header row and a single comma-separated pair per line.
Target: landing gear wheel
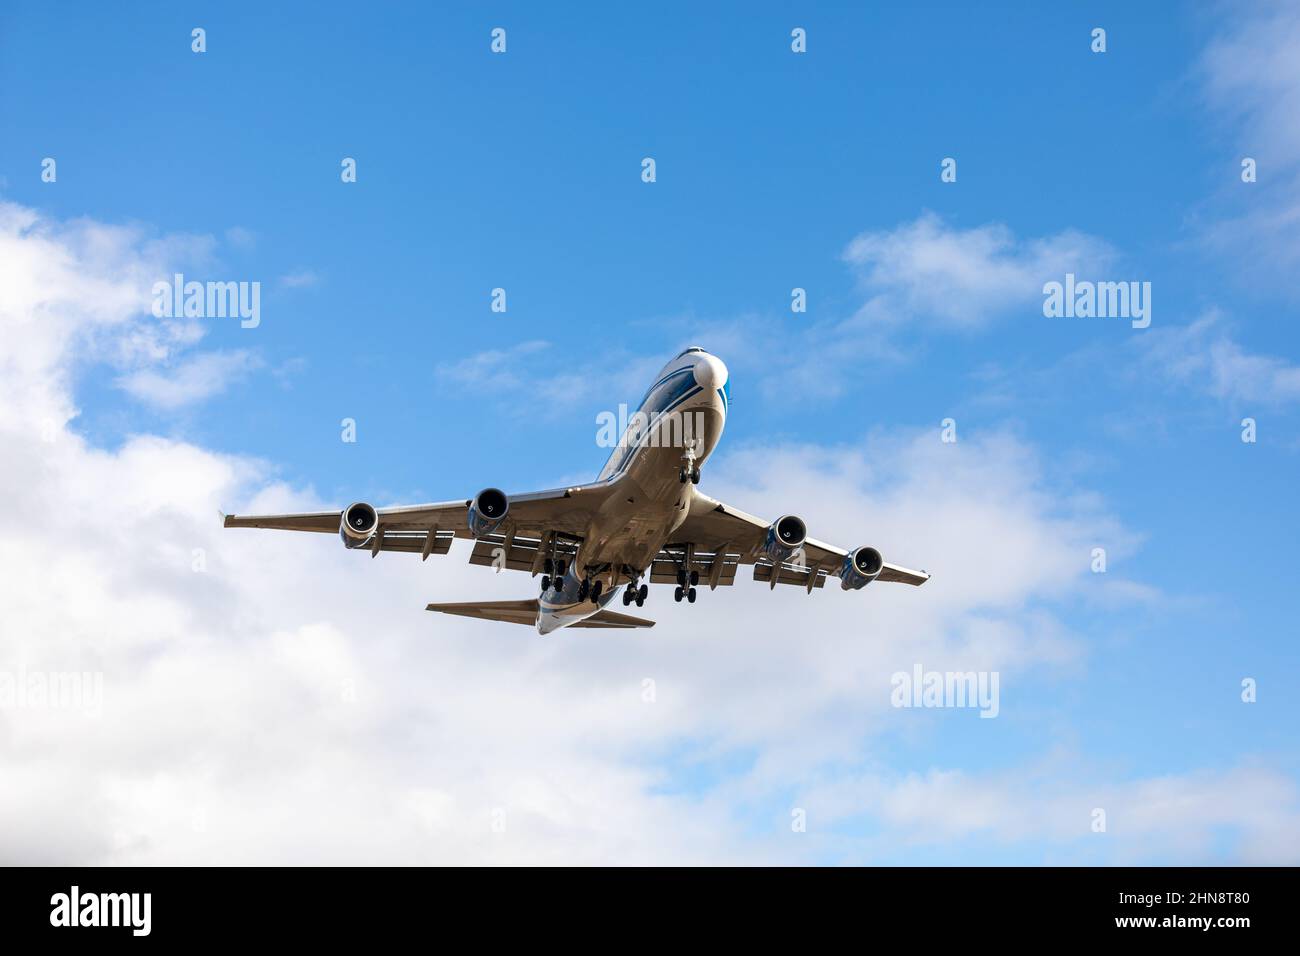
x,y
695,477
546,582
548,566
695,578
558,583
627,597
641,594
595,592
560,568
677,594
681,578
682,476
690,595
584,589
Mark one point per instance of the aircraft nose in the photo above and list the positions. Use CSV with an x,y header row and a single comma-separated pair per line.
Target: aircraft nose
x,y
710,372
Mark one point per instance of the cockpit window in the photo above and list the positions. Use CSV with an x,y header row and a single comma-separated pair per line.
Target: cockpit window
x,y
693,348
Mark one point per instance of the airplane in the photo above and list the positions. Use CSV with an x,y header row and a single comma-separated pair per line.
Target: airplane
x,y
642,521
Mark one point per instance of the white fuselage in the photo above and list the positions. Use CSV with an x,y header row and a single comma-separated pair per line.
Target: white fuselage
x,y
677,426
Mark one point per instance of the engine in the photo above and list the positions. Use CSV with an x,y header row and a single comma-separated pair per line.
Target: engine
x,y
784,537
487,511
861,567
358,524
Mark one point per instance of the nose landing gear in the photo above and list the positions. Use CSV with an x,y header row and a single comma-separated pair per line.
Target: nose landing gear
x,y
689,471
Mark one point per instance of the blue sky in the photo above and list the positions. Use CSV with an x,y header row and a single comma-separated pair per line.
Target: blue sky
x,y
522,171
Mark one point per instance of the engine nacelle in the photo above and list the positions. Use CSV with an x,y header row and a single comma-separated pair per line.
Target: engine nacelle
x,y
487,511
785,536
860,568
357,525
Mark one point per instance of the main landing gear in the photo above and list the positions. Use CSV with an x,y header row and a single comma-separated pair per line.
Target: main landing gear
x,y
693,475
590,589
553,574
635,592
686,586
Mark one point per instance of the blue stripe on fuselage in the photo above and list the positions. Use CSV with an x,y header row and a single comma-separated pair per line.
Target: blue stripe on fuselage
x,y
670,396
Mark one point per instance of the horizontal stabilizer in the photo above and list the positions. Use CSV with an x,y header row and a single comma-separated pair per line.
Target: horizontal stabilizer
x,y
613,619
512,612
525,612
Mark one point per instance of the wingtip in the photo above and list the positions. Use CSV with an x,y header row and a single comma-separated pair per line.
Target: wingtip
x,y
227,521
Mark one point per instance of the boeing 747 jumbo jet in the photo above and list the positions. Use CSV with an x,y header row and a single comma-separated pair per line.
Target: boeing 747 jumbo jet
x,y
642,521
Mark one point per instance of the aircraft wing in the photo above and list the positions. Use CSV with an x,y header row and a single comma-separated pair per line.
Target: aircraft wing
x,y
429,529
725,538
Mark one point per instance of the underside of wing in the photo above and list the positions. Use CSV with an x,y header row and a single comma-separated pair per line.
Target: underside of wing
x,y
326,522
722,538
893,573
557,518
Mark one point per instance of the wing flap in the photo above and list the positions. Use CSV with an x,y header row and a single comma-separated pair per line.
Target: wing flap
x,y
790,574
664,568
490,551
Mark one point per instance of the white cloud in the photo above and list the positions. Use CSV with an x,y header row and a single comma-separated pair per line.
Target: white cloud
x,y
1251,78
290,701
1049,810
493,369
241,238
77,289
1252,74
927,270
524,369
920,277
192,380
1205,355
303,279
